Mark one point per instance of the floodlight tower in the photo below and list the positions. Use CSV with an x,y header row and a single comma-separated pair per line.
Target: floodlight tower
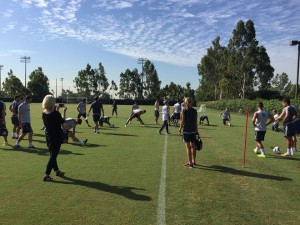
x,y
25,59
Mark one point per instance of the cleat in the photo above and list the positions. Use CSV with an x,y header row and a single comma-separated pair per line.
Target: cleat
x,y
48,178
17,146
5,144
261,156
85,141
32,146
286,155
60,173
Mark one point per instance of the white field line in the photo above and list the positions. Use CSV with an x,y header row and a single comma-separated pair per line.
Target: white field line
x,y
161,208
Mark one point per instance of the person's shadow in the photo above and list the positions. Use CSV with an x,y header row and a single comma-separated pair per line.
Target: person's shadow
x,y
126,192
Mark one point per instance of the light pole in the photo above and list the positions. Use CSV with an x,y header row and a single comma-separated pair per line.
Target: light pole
x,y
56,88
25,60
1,66
62,87
292,43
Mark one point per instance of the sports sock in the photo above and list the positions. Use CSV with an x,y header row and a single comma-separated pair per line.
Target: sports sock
x,y
80,142
262,151
30,144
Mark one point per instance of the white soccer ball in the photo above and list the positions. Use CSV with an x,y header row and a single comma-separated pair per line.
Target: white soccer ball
x,y
276,150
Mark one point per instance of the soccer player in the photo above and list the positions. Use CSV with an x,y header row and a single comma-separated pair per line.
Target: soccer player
x,y
226,117
136,114
81,108
3,130
176,115
105,119
259,121
288,114
202,118
14,118
165,117
98,112
114,108
156,111
70,126
24,122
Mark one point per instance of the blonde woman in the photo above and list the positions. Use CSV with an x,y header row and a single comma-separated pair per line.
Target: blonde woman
x,y
53,122
190,130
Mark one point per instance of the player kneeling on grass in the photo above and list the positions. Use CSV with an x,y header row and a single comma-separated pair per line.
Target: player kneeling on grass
x,y
105,119
202,118
136,114
70,125
226,117
259,121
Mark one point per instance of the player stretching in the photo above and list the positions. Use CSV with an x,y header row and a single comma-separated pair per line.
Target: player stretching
x,y
81,108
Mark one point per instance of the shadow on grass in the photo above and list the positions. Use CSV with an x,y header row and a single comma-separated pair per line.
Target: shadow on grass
x,y
229,170
40,151
282,157
116,134
126,192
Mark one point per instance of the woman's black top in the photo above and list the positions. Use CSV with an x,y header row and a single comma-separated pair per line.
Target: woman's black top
x,y
53,122
190,123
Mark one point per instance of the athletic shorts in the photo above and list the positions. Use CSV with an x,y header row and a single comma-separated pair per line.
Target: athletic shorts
x,y
26,128
3,130
189,137
225,120
114,110
156,113
176,116
297,126
81,114
260,135
288,129
15,120
96,118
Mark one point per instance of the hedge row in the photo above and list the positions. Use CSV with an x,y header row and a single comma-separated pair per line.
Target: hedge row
x,y
239,105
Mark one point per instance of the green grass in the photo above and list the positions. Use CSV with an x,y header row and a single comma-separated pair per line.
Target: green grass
x,y
115,178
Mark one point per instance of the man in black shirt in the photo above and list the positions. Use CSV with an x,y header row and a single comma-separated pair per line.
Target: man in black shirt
x,y
98,112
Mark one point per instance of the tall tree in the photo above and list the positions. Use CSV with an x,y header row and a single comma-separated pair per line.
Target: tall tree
x,y
13,85
113,87
102,79
38,83
124,85
85,82
152,86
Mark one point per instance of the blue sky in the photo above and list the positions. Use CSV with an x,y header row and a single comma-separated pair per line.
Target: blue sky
x,y
62,36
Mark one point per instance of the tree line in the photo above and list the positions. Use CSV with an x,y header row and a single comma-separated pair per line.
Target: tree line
x,y
93,81
241,69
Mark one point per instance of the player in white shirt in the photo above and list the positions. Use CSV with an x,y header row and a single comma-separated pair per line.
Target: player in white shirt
x,y
70,126
259,121
165,117
81,108
176,110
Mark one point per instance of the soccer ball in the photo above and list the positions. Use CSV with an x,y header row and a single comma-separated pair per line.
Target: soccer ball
x,y
276,150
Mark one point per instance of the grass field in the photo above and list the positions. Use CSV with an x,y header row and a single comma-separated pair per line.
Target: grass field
x,y
118,176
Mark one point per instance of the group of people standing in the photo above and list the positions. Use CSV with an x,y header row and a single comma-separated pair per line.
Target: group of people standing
x,y
291,126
